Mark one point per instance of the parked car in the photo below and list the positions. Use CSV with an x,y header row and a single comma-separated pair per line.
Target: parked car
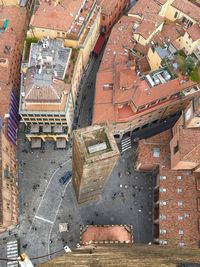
x,y
65,177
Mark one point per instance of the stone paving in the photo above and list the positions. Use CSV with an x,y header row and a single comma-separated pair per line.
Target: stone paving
x,y
44,203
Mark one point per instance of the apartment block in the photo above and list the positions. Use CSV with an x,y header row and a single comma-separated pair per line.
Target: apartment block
x,y
173,157
141,80
76,22
94,154
46,101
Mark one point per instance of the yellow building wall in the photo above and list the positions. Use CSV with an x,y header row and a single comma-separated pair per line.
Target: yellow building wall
x,y
71,43
170,14
165,7
70,113
9,2
187,43
77,74
90,40
41,33
153,59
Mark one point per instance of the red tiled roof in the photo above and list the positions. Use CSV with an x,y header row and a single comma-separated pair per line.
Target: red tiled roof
x,y
189,144
145,6
106,233
194,32
144,95
59,17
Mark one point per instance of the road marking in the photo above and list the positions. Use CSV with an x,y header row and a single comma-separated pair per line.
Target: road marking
x,y
49,237
69,160
43,219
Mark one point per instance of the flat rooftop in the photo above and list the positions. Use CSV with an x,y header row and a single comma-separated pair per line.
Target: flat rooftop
x,y
95,141
50,59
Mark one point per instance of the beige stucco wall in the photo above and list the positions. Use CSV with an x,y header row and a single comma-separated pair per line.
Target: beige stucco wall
x,y
77,74
170,12
9,2
188,44
91,39
153,59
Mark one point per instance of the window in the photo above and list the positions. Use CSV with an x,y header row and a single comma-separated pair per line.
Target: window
x,y
8,206
180,218
176,148
162,177
180,203
156,152
163,217
181,244
176,15
181,232
179,190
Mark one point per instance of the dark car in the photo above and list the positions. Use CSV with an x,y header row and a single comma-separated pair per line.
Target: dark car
x,y
65,177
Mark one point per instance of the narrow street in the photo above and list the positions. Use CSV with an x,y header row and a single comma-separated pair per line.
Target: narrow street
x,y
87,93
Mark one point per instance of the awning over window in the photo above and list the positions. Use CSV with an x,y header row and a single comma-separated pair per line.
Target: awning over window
x,y
99,45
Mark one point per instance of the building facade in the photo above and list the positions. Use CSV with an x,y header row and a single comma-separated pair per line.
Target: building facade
x,y
111,11
13,28
94,154
46,100
173,157
8,180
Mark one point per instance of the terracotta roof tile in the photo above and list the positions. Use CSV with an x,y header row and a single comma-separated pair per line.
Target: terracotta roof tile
x,y
94,234
194,31
57,17
145,6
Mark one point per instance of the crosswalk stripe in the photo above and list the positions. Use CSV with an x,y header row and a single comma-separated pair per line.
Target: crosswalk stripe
x,y
125,149
12,248
126,140
14,252
12,242
12,262
126,145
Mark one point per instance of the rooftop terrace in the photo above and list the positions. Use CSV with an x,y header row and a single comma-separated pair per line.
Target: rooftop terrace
x,y
49,59
43,76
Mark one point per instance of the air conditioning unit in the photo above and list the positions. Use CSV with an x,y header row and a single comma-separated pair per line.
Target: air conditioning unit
x,y
162,177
